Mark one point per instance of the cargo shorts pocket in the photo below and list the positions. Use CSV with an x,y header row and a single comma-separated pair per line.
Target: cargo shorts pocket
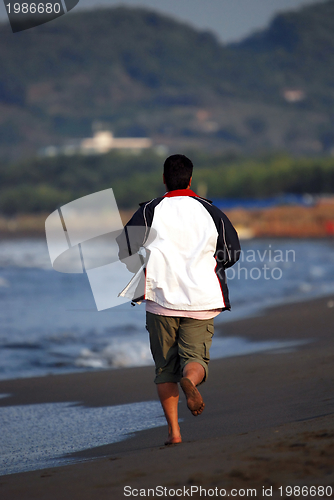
x,y
208,342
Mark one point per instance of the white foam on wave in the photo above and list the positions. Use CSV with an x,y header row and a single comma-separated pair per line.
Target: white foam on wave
x,y
43,435
123,354
118,354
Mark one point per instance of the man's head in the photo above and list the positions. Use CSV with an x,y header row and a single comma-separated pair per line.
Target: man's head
x,y
178,171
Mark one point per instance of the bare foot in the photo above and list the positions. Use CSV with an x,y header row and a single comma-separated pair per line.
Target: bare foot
x,y
194,399
173,440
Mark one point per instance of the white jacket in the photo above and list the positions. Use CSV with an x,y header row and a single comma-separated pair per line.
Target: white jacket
x,y
189,242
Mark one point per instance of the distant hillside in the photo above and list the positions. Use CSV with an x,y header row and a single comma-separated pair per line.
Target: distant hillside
x,y
118,50
142,73
296,51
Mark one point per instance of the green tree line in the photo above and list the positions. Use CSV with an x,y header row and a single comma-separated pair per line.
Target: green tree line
x,y
43,184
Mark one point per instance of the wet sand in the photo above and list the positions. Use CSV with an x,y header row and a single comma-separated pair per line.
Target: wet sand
x,y
268,422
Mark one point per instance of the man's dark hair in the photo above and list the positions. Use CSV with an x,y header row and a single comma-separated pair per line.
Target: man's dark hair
x,y
178,170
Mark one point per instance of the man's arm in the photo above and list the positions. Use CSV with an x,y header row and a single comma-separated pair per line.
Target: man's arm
x,y
131,240
133,236
228,245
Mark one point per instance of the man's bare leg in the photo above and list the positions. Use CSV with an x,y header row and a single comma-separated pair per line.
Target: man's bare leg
x,y
193,374
169,397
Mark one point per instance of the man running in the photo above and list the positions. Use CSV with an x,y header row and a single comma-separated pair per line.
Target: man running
x,y
191,244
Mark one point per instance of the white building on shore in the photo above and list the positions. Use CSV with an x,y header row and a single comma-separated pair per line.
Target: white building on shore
x,y
101,142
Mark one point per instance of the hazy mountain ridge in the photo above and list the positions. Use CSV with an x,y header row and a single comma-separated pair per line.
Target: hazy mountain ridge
x,y
297,50
147,74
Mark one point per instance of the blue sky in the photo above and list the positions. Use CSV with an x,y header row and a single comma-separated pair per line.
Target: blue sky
x,y
230,20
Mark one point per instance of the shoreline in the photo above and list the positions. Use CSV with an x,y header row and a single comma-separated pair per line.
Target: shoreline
x,y
221,327
267,422
308,273
282,221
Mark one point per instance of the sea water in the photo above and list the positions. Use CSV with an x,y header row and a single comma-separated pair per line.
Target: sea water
x,y
48,435
49,322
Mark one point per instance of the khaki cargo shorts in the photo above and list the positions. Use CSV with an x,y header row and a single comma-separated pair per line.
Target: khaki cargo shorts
x,y
176,341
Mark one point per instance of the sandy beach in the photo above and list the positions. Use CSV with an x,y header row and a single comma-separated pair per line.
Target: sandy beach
x,y
267,426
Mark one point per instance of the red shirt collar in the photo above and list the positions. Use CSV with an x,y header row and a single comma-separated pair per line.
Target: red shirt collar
x,y
180,192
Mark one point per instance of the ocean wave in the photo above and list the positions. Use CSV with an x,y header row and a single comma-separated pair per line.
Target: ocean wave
x,y
118,354
56,311
31,253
